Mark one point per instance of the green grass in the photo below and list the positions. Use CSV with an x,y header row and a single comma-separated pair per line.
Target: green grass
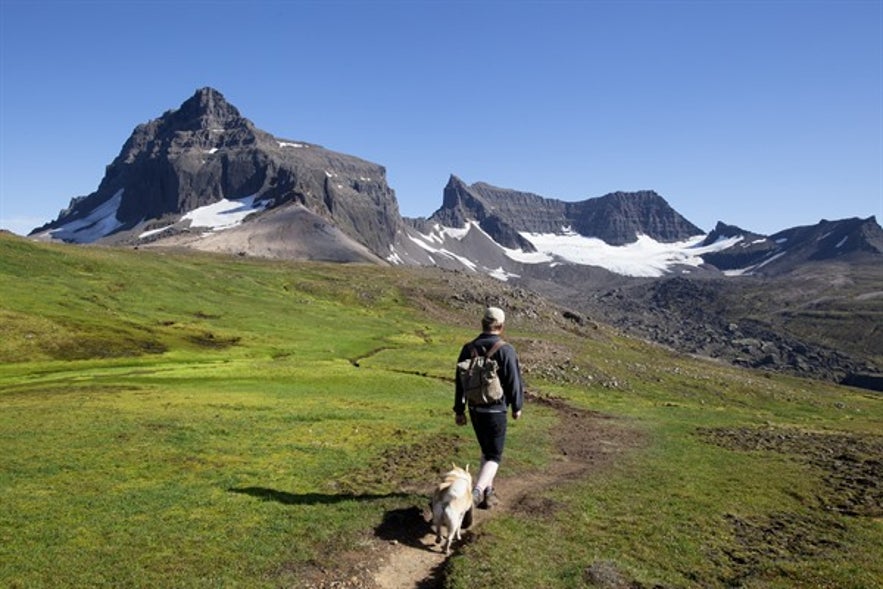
x,y
190,420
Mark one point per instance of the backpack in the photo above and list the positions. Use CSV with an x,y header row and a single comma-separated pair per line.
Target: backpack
x,y
479,378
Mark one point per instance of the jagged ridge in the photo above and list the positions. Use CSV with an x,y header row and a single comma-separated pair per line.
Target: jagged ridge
x,y
617,218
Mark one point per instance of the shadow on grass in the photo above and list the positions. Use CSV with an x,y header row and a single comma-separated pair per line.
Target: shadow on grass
x,y
286,498
406,526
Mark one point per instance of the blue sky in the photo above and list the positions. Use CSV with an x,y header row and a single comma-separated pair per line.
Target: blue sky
x,y
766,115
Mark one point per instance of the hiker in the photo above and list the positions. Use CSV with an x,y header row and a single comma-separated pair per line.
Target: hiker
x,y
489,418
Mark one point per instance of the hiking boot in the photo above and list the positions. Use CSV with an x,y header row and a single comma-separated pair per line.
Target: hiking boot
x,y
490,499
477,498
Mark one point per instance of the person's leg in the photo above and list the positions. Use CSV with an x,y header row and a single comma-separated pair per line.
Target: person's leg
x,y
490,429
486,474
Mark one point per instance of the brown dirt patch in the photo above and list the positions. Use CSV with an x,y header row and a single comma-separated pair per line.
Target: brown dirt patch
x,y
852,463
851,467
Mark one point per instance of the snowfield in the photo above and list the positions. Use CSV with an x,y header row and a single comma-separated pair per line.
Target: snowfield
x,y
646,257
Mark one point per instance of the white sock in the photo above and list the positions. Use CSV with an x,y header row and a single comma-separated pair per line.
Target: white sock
x,y
486,474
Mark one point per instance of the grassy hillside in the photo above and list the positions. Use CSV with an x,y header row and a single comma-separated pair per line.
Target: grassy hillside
x,y
180,419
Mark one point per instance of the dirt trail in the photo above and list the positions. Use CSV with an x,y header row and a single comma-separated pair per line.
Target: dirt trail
x,y
402,554
419,565
586,441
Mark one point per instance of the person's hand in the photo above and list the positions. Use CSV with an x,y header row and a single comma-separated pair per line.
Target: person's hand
x,y
516,414
461,418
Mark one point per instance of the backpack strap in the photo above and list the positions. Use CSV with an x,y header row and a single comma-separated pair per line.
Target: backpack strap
x,y
473,350
500,343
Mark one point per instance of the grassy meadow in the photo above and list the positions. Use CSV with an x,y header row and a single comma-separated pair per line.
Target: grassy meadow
x,y
190,420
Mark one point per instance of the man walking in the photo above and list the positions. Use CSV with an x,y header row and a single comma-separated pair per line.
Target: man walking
x,y
489,419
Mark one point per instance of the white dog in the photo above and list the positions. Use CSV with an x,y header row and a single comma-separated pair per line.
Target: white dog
x,y
452,504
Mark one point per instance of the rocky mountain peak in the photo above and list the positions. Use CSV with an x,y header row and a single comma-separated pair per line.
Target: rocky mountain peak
x,y
204,152
206,109
459,204
462,203
619,217
724,231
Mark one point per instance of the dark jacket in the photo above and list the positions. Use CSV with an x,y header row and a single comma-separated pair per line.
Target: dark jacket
x,y
509,372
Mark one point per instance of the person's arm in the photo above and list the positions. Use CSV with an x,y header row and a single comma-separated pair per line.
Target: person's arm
x,y
511,380
459,394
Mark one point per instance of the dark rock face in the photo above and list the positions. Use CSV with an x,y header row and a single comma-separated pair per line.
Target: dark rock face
x,y
749,251
206,151
461,204
785,250
617,218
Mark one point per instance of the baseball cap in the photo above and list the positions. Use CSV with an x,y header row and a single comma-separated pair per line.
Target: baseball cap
x,y
495,314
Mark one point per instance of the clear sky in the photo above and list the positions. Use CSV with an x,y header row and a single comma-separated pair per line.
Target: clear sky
x,y
762,114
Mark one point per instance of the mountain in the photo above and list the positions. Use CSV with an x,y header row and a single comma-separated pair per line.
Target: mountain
x,y
804,300
506,215
783,251
205,153
509,233
616,218
203,176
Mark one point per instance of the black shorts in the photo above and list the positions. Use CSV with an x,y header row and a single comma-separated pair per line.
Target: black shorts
x,y
490,429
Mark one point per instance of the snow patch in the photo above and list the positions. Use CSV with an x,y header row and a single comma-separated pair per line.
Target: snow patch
x,y
154,231
102,221
444,252
394,257
290,144
224,214
440,234
503,275
217,216
750,269
841,242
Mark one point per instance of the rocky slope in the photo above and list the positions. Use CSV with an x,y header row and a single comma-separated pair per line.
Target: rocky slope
x,y
805,324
